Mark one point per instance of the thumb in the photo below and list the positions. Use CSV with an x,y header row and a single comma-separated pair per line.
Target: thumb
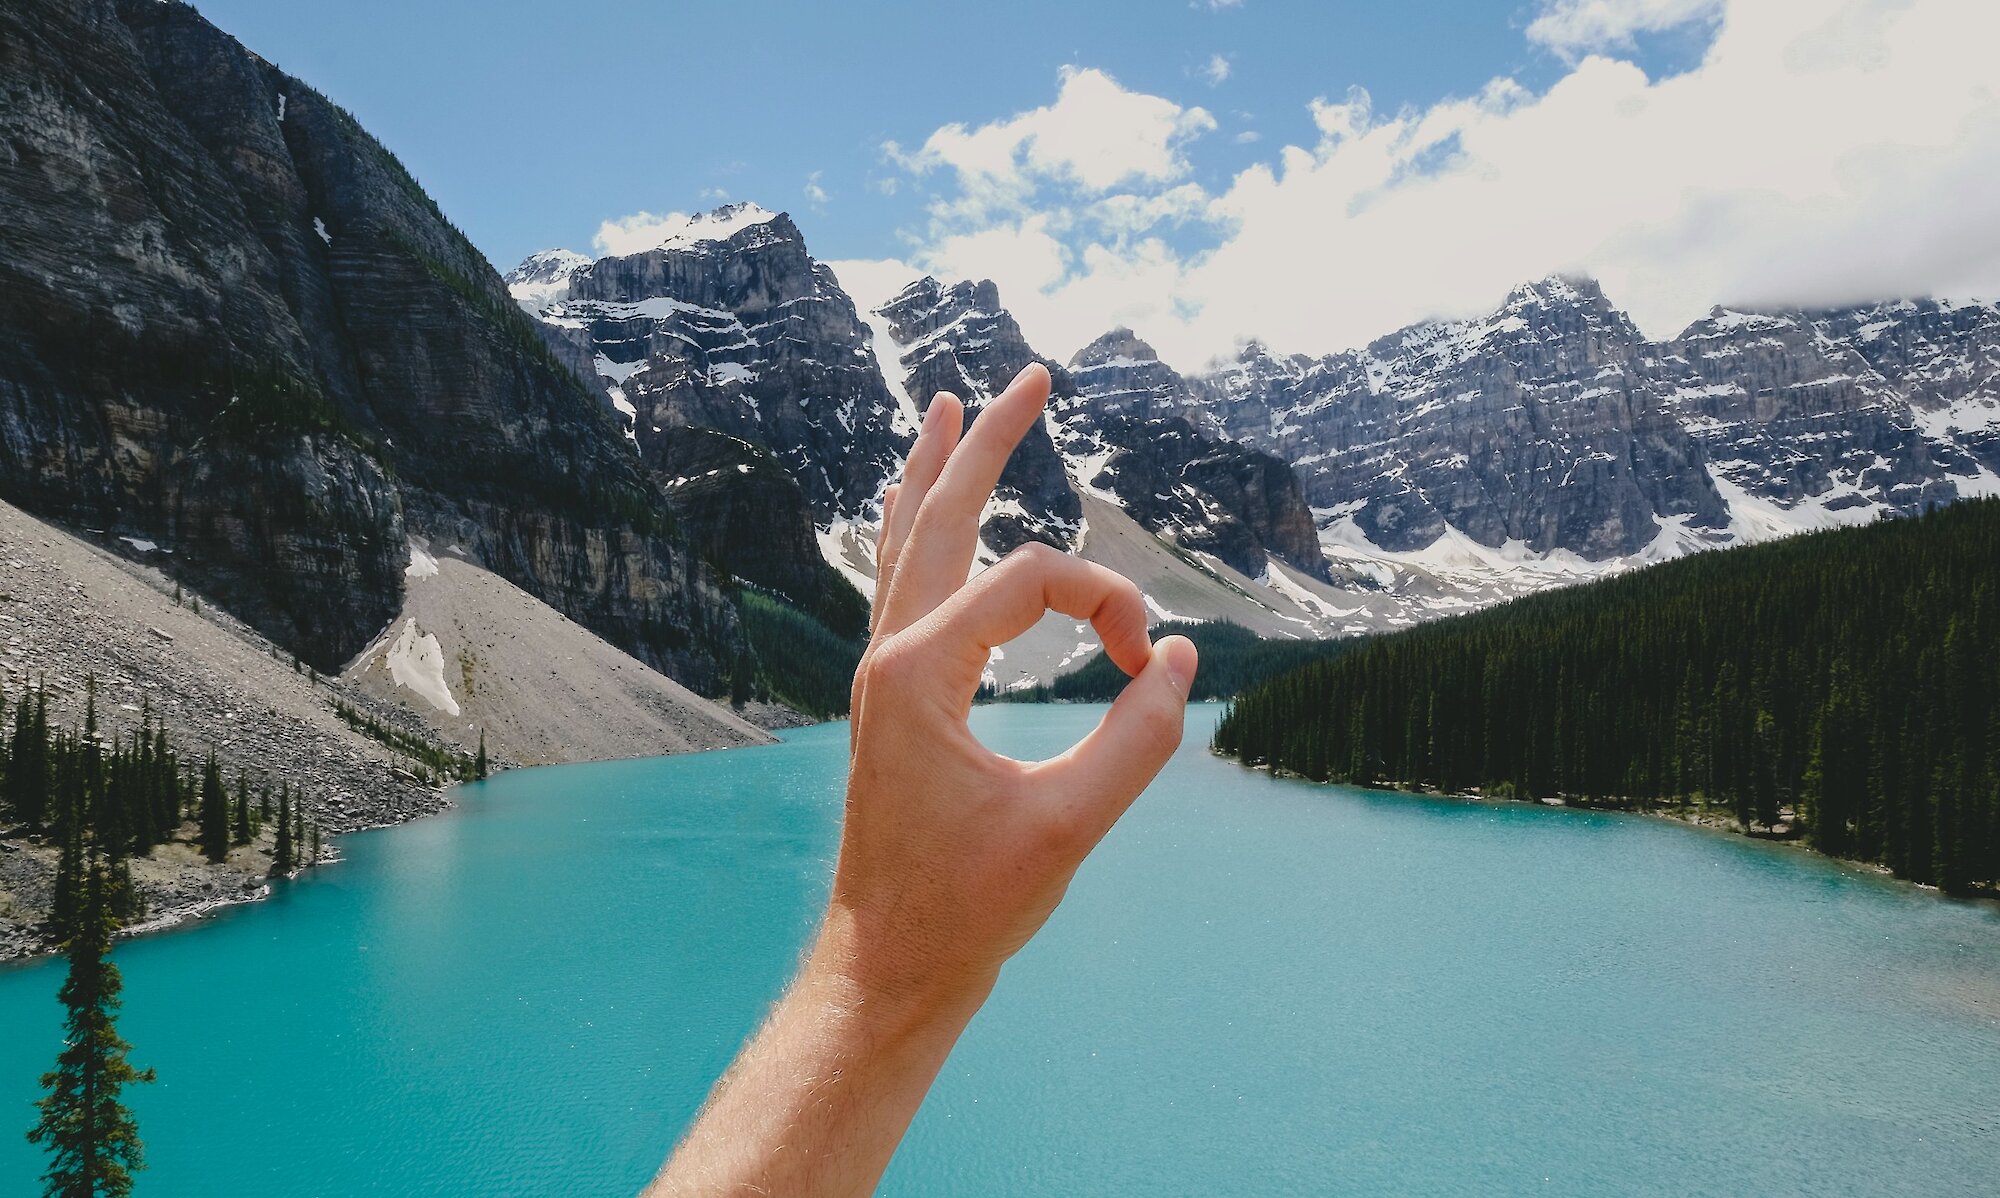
x,y
1107,769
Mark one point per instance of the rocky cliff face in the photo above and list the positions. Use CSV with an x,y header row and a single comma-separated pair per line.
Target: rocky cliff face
x,y
1124,439
1554,424
1787,416
958,338
729,348
235,326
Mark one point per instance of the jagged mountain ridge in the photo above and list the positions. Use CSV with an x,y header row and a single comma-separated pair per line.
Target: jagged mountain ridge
x,y
745,379
236,328
1555,426
958,338
738,361
1125,439
1454,463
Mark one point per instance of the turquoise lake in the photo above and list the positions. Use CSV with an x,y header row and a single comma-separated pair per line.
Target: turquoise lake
x,y
1256,987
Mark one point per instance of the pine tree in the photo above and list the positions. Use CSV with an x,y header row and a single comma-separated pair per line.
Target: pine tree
x,y
67,905
28,762
284,858
1849,678
214,813
479,762
91,1138
240,823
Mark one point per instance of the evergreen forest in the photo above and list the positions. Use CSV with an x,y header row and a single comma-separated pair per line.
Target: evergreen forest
x,y
1838,686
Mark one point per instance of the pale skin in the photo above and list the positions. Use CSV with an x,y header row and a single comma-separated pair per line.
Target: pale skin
x,y
951,856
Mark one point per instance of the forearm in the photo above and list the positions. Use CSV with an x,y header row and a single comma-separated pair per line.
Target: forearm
x,y
818,1100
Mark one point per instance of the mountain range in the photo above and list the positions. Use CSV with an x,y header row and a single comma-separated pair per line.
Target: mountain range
x,y
1445,466
239,342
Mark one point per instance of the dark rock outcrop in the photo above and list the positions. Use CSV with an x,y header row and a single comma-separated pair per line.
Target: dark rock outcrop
x,y
749,518
1207,493
957,338
747,381
746,334
235,325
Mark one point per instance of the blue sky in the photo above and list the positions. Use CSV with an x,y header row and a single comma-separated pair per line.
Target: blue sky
x,y
1355,167
530,122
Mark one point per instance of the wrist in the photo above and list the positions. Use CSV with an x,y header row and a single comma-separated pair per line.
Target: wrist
x,y
882,992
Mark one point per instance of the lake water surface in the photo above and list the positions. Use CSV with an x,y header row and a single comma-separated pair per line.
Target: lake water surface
x,y
1256,987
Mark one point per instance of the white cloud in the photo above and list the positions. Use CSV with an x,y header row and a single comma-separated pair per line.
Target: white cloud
x,y
872,282
1569,26
636,233
1216,70
1823,151
813,190
1096,136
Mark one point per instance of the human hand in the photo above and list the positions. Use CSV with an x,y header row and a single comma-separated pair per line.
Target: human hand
x,y
953,856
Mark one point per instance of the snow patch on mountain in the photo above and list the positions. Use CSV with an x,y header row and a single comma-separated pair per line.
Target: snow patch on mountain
x,y
542,279
416,661
719,225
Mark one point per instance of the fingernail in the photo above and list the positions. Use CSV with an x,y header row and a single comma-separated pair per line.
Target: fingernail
x,y
1181,658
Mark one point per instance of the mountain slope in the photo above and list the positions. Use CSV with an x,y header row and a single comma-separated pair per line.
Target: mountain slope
x,y
744,377
236,326
1554,427
483,663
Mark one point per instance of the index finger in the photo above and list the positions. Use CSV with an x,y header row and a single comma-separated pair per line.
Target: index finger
x,y
1008,599
937,556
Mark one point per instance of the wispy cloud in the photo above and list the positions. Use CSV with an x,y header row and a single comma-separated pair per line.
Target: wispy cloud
x,y
813,191
1571,27
1216,69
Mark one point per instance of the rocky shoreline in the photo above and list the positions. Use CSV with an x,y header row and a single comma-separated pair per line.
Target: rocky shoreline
x,y
73,614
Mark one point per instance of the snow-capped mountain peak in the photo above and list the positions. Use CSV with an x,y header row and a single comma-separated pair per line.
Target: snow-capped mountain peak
x,y
719,224
542,278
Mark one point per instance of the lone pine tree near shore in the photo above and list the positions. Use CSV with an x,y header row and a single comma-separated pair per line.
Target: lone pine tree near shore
x,y
91,1138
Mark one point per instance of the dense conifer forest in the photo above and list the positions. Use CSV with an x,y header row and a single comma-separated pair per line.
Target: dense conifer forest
x,y
1840,686
798,660
1232,658
104,800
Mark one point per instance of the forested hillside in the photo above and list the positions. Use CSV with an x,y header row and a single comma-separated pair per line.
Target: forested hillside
x,y
1839,685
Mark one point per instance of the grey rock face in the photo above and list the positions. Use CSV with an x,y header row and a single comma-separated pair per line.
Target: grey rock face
x,y
1209,494
1118,374
236,326
1554,423
1943,358
745,334
746,380
1786,415
959,339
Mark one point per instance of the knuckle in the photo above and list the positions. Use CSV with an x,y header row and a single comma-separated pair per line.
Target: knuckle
x,y
1032,555
886,667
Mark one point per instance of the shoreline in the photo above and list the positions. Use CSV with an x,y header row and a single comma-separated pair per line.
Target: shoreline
x,y
1684,815
28,946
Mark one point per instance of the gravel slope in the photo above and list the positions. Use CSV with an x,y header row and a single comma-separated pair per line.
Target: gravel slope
x,y
547,689
544,688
